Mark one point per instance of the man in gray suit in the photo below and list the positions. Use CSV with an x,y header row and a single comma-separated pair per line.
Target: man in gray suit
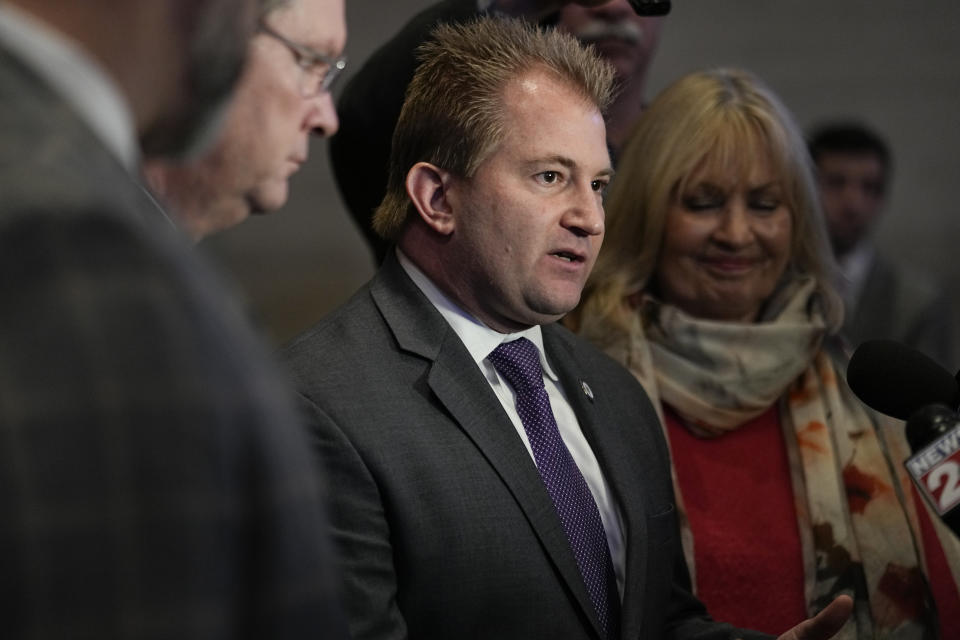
x,y
153,479
496,476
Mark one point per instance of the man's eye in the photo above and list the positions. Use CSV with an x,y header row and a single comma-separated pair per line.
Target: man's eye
x,y
549,177
599,185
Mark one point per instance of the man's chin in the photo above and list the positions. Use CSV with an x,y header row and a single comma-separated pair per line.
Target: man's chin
x,y
553,310
269,198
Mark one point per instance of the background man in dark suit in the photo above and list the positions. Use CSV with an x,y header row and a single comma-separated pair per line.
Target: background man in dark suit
x,y
153,480
884,296
496,476
283,98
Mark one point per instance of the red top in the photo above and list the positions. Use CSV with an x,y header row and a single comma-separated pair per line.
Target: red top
x,y
739,501
941,582
747,546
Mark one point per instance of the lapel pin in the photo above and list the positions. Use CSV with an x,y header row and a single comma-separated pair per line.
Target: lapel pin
x,y
587,391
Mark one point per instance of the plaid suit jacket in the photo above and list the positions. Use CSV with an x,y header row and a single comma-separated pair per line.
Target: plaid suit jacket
x,y
153,480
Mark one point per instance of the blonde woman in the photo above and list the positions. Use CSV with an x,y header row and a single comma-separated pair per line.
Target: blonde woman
x,y
713,288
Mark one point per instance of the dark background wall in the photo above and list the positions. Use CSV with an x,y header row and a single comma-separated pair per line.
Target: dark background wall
x,y
895,64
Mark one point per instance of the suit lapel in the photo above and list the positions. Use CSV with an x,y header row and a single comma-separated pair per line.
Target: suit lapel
x,y
603,429
870,319
463,390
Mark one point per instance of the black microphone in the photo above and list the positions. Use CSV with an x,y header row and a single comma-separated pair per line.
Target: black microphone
x,y
897,380
650,7
904,383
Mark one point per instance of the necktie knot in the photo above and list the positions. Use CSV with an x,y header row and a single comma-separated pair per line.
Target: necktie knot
x,y
519,362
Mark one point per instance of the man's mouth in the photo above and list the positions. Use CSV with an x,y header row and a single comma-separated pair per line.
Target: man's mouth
x,y
567,256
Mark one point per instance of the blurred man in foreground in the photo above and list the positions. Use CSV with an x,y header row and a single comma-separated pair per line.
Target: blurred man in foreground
x,y
153,479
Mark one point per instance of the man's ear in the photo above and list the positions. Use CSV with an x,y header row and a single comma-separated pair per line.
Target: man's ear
x,y
427,186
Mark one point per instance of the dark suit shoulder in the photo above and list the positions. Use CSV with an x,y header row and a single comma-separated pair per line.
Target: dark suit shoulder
x,y
901,302
350,366
51,163
346,333
156,474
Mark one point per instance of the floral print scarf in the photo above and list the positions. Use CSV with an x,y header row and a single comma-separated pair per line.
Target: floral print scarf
x,y
856,520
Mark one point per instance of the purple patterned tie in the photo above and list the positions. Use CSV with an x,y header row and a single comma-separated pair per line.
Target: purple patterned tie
x,y
519,362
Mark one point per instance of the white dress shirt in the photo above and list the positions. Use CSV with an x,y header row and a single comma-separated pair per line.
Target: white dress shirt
x,y
480,340
854,268
76,77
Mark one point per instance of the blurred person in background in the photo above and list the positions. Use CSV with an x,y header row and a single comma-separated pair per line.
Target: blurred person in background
x,y
371,100
884,296
714,288
282,98
627,41
154,481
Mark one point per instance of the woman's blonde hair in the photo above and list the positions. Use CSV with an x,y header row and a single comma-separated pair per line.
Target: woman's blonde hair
x,y
712,119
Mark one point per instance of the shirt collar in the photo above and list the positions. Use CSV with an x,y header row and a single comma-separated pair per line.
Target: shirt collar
x,y
854,269
73,73
479,339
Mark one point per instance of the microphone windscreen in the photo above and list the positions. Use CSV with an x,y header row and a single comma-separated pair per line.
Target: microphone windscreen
x,y
897,380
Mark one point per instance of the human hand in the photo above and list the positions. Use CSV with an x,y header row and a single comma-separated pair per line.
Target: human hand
x,y
825,624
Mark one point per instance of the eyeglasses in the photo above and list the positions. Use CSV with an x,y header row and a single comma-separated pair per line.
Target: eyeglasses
x,y
317,71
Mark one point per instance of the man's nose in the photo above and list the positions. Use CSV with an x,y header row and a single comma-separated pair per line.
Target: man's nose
x,y
585,215
321,119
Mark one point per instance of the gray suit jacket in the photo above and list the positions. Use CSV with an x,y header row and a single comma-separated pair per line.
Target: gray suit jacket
x,y
898,303
443,525
153,479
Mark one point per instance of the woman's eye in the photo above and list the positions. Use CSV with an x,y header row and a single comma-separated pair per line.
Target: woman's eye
x,y
765,205
701,204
